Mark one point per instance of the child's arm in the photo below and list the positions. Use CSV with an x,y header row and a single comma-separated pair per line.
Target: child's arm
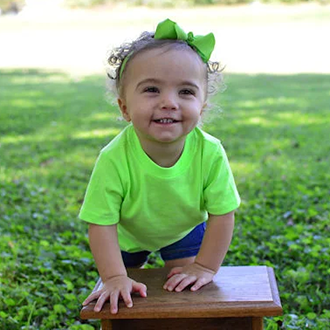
x,y
213,250
105,249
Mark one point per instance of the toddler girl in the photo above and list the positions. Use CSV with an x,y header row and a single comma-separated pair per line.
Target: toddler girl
x,y
162,184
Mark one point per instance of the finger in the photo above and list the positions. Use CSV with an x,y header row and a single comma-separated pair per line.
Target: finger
x,y
174,271
140,288
199,283
185,282
127,298
114,302
91,297
100,302
174,281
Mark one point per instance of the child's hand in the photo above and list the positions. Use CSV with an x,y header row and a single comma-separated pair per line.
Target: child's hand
x,y
180,277
114,288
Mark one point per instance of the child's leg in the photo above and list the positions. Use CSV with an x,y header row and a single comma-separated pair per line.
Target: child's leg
x,y
183,252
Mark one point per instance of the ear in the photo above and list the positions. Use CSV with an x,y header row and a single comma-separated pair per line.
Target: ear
x,y
123,109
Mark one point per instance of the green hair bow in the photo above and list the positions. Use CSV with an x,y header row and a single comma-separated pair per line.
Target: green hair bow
x,y
204,45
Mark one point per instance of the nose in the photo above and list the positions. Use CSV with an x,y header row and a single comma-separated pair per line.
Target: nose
x,y
169,101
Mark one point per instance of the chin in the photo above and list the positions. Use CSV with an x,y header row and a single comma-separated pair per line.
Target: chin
x,y
169,140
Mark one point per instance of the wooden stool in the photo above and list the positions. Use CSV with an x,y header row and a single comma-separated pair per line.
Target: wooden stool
x,y
238,298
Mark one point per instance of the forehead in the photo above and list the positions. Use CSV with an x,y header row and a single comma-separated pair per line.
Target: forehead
x,y
167,63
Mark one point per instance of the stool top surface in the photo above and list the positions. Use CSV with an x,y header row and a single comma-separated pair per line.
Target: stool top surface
x,y
235,291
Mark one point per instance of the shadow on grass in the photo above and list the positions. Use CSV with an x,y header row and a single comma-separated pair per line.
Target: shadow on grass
x,y
53,126
50,117
50,120
275,125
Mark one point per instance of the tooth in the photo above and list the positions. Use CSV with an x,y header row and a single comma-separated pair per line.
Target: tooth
x,y
165,120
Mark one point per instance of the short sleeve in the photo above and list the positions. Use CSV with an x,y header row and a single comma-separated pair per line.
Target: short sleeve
x,y
220,192
104,194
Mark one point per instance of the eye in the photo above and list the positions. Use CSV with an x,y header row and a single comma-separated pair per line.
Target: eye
x,y
187,91
151,89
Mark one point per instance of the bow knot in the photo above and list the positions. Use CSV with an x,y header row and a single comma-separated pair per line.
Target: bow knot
x,y
204,45
190,37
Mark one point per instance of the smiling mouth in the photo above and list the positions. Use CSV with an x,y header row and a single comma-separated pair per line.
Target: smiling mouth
x,y
165,121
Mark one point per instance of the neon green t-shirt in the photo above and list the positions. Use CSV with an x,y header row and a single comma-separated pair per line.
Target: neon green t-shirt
x,y
155,206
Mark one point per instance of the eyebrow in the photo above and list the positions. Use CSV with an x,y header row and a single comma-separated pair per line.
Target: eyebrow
x,y
147,81
158,81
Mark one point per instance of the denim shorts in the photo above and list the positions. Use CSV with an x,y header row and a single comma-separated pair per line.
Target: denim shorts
x,y
184,248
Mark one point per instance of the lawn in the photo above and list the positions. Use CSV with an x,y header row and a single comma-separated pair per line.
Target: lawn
x,y
275,129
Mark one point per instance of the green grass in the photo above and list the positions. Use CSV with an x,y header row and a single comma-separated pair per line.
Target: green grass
x,y
276,133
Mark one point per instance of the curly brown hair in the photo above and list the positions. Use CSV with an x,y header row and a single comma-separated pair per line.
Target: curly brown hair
x,y
123,54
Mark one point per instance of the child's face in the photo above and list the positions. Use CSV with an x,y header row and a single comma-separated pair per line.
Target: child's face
x,y
164,94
